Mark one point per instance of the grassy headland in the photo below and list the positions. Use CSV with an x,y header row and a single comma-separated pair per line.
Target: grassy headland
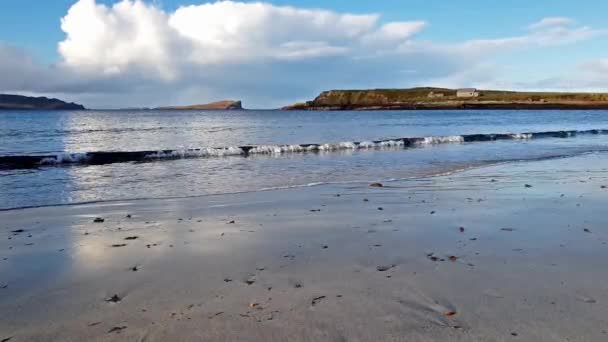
x,y
443,98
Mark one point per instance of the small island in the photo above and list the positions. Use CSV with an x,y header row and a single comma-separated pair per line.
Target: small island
x,y
19,102
219,105
444,98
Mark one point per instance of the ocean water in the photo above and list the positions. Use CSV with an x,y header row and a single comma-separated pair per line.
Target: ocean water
x,y
51,158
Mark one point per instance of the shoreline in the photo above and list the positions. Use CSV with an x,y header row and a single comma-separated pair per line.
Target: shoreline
x,y
458,106
332,262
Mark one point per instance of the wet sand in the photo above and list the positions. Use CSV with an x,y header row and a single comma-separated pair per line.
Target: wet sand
x,y
513,252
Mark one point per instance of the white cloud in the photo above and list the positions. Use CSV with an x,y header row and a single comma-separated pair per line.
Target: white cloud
x,y
133,53
137,35
551,22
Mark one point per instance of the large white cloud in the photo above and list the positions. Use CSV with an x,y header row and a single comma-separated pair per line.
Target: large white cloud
x,y
134,53
133,35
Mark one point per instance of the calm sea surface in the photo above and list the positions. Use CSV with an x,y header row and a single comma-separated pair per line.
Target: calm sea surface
x,y
49,133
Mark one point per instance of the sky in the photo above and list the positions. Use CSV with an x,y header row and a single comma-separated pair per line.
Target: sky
x,y
136,53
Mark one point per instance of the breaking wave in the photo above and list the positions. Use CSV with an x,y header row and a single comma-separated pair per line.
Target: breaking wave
x,y
99,158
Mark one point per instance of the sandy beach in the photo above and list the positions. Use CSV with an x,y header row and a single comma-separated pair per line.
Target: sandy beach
x,y
511,252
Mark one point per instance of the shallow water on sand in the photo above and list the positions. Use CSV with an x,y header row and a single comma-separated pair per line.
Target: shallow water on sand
x,y
56,133
471,256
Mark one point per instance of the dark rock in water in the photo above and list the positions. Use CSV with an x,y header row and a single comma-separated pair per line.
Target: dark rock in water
x,y
98,220
16,231
231,222
507,229
27,102
528,186
461,229
131,237
587,230
128,216
227,280
376,185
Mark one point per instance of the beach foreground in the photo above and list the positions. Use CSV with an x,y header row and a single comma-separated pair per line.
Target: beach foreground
x,y
502,253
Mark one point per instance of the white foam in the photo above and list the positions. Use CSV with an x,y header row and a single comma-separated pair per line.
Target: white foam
x,y
196,153
523,136
441,140
65,157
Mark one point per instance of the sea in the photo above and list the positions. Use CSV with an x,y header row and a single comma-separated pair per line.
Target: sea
x,y
67,157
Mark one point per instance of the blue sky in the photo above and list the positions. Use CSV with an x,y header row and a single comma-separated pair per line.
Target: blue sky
x,y
438,42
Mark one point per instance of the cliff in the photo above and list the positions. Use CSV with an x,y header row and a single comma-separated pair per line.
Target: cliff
x,y
219,105
27,102
443,98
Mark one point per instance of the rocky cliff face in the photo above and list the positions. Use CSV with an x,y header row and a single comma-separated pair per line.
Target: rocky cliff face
x,y
27,102
219,105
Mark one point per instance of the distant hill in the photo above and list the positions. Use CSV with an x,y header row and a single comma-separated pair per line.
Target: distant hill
x,y
219,105
443,98
27,102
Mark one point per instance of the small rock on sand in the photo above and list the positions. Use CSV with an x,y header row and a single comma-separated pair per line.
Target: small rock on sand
x,y
117,329
250,280
383,268
98,220
114,299
376,185
316,300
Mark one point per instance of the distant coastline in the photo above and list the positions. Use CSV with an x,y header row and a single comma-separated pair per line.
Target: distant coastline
x,y
19,102
219,105
449,99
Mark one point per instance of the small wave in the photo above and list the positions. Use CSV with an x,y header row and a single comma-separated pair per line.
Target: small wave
x,y
99,158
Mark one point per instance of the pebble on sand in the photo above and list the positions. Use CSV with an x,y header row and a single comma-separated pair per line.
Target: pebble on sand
x,y
98,220
114,299
376,185
383,268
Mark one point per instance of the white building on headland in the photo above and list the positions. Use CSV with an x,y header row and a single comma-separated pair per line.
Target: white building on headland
x,y
467,92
